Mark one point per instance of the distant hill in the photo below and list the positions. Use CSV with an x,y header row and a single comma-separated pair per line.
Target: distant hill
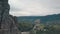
x,y
43,19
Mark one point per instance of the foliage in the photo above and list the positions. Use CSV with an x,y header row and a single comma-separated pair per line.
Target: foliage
x,y
50,29
25,26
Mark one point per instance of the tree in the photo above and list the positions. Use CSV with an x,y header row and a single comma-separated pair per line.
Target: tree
x,y
25,26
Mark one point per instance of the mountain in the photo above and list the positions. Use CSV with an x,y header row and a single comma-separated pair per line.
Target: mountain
x,y
43,19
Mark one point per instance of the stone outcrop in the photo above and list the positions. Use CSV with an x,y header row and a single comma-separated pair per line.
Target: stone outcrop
x,y
7,22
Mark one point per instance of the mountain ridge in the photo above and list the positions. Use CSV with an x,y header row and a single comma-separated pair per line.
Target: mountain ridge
x,y
43,19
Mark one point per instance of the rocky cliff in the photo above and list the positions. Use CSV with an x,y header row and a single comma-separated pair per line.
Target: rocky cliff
x,y
7,22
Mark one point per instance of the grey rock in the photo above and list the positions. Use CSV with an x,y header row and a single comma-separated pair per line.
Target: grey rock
x,y
7,22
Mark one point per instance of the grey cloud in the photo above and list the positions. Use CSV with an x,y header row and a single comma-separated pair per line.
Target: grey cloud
x,y
15,9
51,6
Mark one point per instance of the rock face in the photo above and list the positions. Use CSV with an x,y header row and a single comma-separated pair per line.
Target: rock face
x,y
7,22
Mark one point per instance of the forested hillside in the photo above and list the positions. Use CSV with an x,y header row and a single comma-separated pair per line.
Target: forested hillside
x,y
44,19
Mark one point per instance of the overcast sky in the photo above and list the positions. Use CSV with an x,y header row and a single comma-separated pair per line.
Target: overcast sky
x,y
34,7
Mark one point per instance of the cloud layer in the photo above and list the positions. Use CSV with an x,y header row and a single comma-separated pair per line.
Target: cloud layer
x,y
34,7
